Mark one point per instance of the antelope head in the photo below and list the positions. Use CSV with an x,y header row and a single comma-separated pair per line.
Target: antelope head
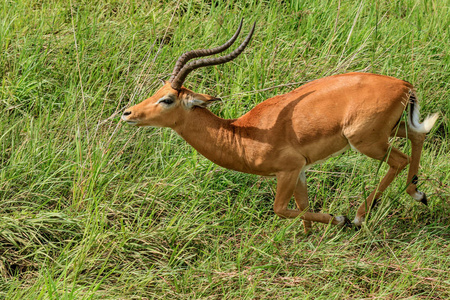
x,y
169,105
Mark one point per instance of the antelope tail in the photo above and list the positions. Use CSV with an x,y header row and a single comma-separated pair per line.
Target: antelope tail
x,y
414,116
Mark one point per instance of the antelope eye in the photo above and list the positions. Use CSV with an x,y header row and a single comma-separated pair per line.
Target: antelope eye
x,y
167,101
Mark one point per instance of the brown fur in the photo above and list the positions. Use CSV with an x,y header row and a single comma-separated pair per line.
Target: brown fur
x,y
284,134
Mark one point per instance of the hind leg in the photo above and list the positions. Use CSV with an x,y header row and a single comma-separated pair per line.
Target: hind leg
x,y
396,160
417,140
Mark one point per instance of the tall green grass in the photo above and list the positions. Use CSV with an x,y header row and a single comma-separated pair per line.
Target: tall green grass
x,y
94,209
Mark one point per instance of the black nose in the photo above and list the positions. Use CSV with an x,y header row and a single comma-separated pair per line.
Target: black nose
x,y
127,113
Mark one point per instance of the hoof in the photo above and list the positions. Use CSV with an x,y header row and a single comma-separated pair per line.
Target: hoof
x,y
357,227
424,200
347,223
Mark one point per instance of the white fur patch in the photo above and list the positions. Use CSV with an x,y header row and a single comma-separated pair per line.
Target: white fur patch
x,y
358,221
194,102
353,147
414,120
302,176
341,220
418,195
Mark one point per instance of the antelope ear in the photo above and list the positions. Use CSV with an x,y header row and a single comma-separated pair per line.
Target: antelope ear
x,y
163,82
201,100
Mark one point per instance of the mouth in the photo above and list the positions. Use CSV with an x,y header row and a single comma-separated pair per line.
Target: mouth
x,y
124,118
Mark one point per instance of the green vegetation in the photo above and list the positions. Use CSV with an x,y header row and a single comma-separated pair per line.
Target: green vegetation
x,y
91,208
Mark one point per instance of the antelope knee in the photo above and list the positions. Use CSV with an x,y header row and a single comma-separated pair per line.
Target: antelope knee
x,y
280,211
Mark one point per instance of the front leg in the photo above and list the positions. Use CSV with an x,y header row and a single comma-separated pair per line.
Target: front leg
x,y
287,183
301,199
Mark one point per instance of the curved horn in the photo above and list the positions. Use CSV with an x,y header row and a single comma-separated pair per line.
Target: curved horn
x,y
203,52
181,76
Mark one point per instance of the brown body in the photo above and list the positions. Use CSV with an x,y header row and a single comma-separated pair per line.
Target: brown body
x,y
284,135
302,127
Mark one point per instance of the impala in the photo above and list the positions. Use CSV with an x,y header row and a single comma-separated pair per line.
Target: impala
x,y
285,135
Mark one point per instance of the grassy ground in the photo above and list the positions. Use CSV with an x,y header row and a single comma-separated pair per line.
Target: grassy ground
x,y
91,208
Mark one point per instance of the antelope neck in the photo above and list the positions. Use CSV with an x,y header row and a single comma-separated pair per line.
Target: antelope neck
x,y
215,138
